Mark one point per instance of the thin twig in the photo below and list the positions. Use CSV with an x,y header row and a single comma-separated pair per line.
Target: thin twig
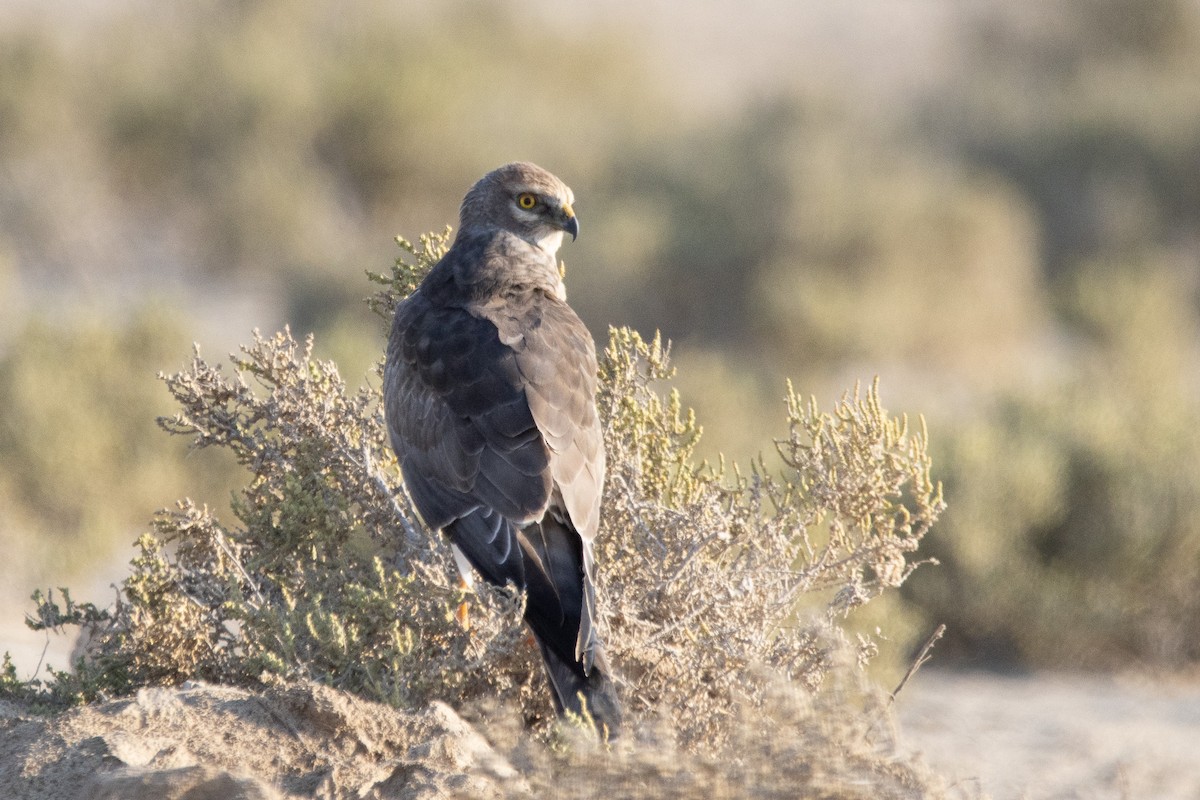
x,y
225,548
42,659
393,496
921,658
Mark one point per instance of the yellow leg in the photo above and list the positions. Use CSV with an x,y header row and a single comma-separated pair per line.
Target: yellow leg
x,y
462,614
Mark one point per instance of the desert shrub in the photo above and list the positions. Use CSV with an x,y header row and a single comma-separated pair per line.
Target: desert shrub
x,y
842,226
229,140
1075,532
80,459
1081,109
708,574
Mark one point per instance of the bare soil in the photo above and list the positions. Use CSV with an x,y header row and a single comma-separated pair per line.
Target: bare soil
x,y
204,742
1004,736
1056,735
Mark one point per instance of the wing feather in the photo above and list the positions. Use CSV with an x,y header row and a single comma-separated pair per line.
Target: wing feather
x,y
458,417
558,362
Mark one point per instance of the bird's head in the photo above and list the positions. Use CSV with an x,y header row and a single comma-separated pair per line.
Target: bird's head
x,y
524,199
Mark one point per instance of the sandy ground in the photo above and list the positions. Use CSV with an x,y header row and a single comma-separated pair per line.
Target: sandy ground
x,y
1005,736
203,742
1055,735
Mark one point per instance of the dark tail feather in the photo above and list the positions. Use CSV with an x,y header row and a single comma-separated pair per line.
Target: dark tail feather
x,y
591,696
560,610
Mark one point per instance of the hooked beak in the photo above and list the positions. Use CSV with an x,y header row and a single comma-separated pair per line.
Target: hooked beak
x,y
570,222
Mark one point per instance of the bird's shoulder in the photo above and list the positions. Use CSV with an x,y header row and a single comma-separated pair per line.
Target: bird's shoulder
x,y
501,279
485,265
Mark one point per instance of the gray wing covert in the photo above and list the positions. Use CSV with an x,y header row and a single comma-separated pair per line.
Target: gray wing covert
x,y
470,450
557,359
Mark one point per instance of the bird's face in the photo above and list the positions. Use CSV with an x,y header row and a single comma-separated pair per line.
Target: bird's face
x,y
526,200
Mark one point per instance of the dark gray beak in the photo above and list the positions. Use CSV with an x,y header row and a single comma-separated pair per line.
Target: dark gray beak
x,y
570,223
571,226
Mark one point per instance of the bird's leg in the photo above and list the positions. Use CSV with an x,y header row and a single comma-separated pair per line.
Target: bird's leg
x,y
462,614
466,582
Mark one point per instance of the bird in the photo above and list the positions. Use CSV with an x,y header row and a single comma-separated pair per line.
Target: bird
x,y
490,402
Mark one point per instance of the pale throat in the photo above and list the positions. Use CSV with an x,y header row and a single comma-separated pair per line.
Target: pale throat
x,y
551,242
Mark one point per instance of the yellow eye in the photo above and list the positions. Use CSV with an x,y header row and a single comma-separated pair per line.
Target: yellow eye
x,y
526,200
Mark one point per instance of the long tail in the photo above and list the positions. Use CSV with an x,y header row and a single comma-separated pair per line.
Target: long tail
x,y
559,608
591,696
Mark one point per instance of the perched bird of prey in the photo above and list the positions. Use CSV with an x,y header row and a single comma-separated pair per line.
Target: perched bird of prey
x,y
490,387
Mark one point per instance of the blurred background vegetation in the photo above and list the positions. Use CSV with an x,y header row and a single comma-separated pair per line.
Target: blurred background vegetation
x,y
994,206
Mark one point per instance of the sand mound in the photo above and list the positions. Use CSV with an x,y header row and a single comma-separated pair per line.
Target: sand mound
x,y
203,742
